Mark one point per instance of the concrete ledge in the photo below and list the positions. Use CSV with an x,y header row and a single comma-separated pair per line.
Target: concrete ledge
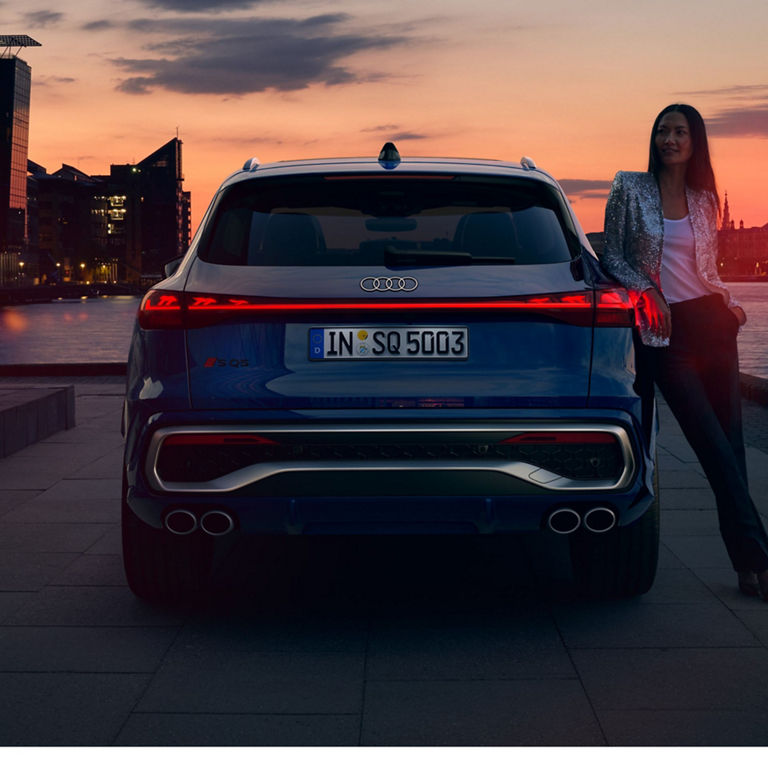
x,y
63,369
31,414
754,388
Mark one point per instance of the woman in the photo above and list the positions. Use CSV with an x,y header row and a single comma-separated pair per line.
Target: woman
x,y
661,244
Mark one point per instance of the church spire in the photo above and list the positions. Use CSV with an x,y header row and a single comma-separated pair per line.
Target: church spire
x,y
726,214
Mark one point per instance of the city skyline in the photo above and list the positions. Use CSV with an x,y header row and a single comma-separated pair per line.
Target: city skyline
x,y
573,85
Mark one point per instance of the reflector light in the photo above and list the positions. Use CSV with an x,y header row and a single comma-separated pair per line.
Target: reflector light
x,y
561,438
195,438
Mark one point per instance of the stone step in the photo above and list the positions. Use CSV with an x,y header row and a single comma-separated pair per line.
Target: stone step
x,y
29,414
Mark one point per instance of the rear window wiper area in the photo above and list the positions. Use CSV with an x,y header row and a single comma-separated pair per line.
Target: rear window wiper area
x,y
415,257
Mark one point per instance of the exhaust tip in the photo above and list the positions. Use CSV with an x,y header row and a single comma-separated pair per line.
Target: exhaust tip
x,y
599,520
564,520
217,523
181,522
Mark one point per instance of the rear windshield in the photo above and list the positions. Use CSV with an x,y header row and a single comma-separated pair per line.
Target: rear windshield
x,y
327,221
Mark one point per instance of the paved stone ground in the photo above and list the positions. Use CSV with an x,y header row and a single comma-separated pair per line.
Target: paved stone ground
x,y
381,643
756,425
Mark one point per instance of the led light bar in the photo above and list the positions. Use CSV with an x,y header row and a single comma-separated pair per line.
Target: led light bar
x,y
171,309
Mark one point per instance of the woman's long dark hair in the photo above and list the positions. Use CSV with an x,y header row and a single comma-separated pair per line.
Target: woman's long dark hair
x,y
699,174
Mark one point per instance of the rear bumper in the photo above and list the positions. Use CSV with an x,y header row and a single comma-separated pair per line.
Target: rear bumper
x,y
453,491
306,451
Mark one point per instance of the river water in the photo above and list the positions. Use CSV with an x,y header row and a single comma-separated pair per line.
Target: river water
x,y
96,330
753,338
99,329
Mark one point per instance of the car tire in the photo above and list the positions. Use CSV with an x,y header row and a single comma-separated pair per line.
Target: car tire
x,y
161,567
621,562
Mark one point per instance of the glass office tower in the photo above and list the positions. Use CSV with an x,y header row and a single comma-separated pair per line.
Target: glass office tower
x,y
15,81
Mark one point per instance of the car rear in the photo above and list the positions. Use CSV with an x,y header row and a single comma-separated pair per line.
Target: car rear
x,y
362,347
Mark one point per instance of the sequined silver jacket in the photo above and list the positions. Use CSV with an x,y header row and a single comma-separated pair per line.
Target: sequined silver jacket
x,y
634,238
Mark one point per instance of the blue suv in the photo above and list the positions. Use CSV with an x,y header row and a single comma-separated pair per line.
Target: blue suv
x,y
387,346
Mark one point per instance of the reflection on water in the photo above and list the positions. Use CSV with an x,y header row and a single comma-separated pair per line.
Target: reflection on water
x,y
68,331
753,338
99,330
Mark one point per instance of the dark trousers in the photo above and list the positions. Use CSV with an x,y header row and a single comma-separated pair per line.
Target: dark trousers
x,y
698,375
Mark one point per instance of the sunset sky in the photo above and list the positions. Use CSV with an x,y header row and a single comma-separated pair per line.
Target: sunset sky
x,y
573,84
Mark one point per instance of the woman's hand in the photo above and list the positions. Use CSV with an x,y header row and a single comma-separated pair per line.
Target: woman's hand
x,y
740,314
656,312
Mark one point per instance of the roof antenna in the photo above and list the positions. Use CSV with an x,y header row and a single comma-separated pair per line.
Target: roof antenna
x,y
389,157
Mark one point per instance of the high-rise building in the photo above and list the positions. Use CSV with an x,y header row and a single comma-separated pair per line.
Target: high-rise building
x,y
157,208
15,84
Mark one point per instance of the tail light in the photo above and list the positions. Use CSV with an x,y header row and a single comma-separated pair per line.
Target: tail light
x,y
174,309
162,310
614,308
216,439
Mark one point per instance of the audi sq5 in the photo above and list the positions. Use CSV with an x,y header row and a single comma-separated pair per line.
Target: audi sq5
x,y
386,345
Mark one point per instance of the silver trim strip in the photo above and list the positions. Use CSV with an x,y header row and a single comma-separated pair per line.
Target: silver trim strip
x,y
517,469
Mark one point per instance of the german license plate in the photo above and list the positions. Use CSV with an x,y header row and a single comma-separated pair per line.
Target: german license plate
x,y
389,343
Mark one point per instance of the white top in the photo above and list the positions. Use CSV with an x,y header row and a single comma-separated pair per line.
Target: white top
x,y
679,277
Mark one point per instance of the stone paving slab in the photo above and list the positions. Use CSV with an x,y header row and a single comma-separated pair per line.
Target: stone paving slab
x,y
629,624
66,709
83,649
86,606
92,570
48,507
390,642
677,586
54,537
491,712
30,571
161,729
675,678
201,680
686,728
464,646
699,550
243,632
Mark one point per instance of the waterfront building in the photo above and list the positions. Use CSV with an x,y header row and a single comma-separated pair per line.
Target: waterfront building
x,y
154,208
122,226
67,235
15,85
743,250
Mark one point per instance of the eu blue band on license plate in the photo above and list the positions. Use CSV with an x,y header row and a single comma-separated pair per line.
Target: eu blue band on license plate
x,y
389,343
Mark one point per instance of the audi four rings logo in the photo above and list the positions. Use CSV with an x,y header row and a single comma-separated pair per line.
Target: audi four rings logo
x,y
371,284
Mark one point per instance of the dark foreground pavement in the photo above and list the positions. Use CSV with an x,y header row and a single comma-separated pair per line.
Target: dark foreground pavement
x,y
390,642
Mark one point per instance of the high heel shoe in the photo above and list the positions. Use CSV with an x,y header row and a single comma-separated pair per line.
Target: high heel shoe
x,y
749,584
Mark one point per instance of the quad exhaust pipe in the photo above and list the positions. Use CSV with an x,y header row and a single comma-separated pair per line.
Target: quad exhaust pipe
x,y
599,520
566,520
181,522
215,522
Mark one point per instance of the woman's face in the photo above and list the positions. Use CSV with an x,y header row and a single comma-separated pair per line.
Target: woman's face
x,y
673,139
